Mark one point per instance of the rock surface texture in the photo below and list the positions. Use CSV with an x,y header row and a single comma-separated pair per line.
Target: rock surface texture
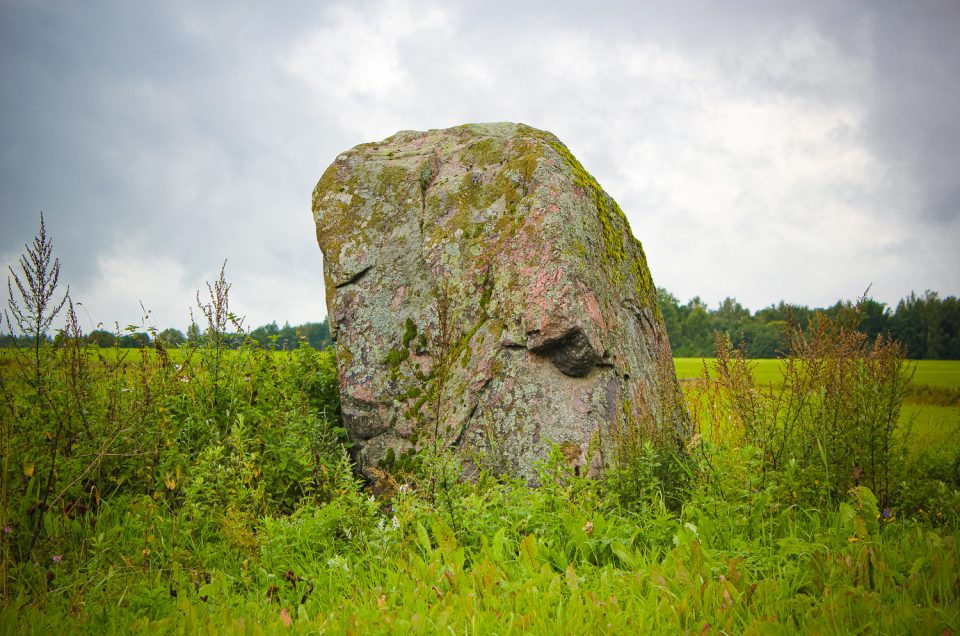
x,y
486,294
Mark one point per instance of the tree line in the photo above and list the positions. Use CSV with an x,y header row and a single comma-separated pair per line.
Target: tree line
x,y
316,334
927,326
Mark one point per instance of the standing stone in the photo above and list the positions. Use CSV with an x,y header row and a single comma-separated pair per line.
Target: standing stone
x,y
486,294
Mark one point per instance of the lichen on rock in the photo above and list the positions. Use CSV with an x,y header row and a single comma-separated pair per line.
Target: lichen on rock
x,y
486,294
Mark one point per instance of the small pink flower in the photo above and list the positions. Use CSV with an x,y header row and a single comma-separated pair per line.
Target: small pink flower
x,y
285,617
57,558
7,529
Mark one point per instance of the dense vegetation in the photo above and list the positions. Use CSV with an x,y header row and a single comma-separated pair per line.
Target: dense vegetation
x,y
315,334
928,327
211,489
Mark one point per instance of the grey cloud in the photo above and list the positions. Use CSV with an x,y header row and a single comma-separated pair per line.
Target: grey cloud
x,y
178,122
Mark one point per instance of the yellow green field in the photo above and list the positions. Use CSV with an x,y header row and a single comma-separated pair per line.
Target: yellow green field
x,y
932,422
935,373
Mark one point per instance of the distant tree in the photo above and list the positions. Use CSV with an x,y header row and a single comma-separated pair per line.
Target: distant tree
x,y
101,338
933,330
317,334
798,315
950,324
907,326
288,337
9,340
764,339
263,334
697,330
876,318
731,317
172,337
135,340
670,308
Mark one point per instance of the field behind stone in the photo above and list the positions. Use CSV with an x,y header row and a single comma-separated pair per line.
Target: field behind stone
x,y
931,407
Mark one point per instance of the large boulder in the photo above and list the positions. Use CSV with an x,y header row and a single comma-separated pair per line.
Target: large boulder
x,y
486,294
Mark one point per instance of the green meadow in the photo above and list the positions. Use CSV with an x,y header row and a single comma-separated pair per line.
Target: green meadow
x,y
214,493
210,489
934,373
931,405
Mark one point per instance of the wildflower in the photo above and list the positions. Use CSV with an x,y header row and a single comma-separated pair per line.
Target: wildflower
x,y
339,562
588,528
886,514
7,529
285,617
853,539
57,558
395,523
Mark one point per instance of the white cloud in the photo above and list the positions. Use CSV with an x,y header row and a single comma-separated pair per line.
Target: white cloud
x,y
742,169
130,274
359,55
256,298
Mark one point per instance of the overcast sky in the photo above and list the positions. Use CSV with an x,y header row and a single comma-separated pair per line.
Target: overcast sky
x,y
762,150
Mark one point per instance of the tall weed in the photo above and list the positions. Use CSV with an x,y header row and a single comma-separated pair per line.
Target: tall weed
x,y
833,423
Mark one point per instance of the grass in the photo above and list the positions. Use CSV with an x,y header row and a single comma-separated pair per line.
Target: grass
x,y
935,373
556,560
938,373
741,551
207,490
934,425
930,407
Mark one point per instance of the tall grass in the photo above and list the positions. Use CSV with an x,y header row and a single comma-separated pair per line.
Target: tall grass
x,y
835,414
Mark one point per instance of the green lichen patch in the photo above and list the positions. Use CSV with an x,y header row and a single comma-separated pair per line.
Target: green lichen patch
x,y
484,152
328,183
344,355
614,227
392,179
396,357
409,332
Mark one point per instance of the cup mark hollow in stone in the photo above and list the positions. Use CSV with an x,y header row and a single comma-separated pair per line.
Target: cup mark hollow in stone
x,y
571,353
